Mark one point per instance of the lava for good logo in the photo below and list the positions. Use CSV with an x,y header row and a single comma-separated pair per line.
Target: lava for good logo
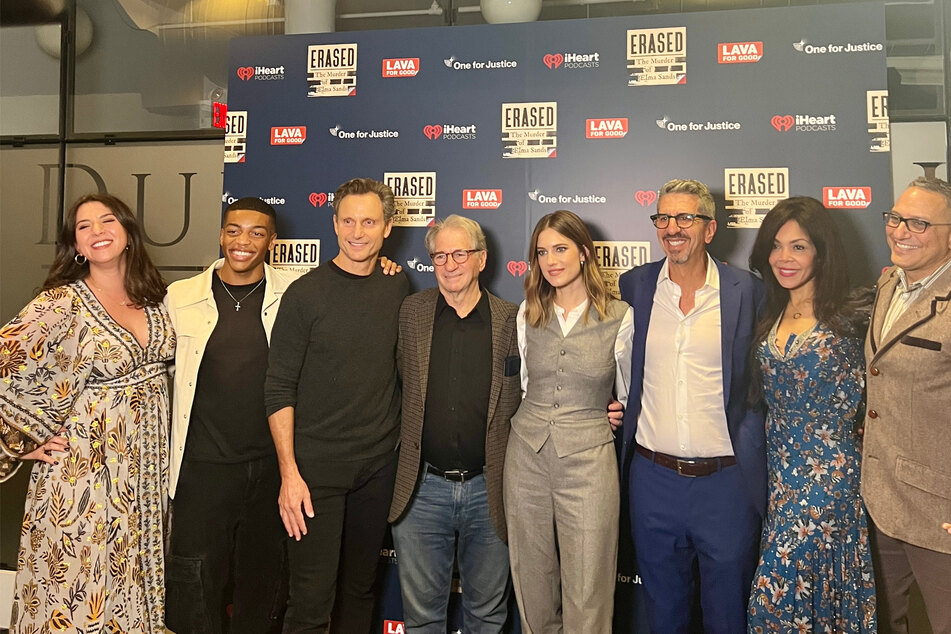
x,y
803,46
401,67
696,126
245,73
319,199
876,105
288,135
530,130
432,131
739,52
481,198
752,191
847,197
657,57
296,255
332,70
393,627
606,128
782,123
553,61
236,136
614,258
645,197
517,268
804,123
415,196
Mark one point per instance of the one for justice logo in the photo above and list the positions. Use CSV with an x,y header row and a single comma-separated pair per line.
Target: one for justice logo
x,y
332,70
657,57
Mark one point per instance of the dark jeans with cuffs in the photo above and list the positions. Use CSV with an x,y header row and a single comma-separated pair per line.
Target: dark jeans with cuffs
x,y
227,546
333,568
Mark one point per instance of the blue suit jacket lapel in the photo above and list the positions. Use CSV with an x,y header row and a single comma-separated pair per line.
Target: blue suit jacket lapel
x,y
730,300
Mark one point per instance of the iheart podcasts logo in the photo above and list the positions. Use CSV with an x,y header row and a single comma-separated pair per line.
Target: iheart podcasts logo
x,y
783,123
245,73
317,200
553,61
432,131
517,268
645,197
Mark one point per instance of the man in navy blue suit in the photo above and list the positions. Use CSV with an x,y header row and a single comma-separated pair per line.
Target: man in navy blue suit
x,y
694,454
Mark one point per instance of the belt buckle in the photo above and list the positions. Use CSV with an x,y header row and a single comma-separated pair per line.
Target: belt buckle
x,y
455,474
680,465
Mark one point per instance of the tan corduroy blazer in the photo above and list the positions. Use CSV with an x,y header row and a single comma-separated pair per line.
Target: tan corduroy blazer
x,y
906,469
416,332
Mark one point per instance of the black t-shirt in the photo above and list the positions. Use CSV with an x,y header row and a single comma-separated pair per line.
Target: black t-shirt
x,y
228,417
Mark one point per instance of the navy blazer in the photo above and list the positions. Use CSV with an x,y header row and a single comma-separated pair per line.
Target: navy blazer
x,y
741,303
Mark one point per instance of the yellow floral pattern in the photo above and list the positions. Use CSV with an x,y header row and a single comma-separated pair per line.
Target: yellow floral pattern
x,y
91,548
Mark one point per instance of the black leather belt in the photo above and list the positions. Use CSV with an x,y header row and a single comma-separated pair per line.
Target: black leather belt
x,y
455,475
692,468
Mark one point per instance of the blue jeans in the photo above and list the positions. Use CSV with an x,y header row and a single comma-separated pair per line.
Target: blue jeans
x,y
425,541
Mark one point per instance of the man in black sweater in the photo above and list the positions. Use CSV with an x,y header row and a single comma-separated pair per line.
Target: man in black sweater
x,y
333,404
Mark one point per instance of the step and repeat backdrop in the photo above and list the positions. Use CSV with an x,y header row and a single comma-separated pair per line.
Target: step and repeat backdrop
x,y
506,123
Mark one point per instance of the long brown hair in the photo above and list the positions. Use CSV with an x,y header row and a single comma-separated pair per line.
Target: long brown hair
x,y
539,294
143,283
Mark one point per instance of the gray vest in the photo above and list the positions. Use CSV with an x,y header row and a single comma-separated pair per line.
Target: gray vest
x,y
570,381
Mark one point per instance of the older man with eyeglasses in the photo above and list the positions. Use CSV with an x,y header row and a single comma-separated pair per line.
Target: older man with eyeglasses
x,y
459,363
906,472
693,458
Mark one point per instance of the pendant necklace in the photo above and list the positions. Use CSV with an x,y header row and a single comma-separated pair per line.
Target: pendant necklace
x,y
237,302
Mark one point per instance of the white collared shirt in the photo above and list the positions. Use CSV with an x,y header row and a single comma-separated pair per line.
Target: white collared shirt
x,y
623,345
682,405
905,295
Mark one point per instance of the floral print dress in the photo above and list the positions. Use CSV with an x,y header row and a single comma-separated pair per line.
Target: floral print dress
x,y
815,568
91,548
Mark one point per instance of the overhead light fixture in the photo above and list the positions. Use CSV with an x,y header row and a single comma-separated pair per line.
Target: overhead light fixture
x,y
48,35
504,11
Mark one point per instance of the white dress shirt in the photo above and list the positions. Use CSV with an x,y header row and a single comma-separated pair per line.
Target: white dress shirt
x,y
623,345
682,406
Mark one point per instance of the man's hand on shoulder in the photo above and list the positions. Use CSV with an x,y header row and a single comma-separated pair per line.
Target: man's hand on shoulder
x,y
294,495
390,267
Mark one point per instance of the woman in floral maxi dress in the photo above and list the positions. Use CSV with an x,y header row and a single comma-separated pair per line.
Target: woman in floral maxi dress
x,y
815,569
83,394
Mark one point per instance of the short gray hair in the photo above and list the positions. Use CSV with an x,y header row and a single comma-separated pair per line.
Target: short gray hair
x,y
695,188
935,185
455,221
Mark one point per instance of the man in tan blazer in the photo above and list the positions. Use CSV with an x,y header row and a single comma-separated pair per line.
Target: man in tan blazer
x,y
458,359
906,473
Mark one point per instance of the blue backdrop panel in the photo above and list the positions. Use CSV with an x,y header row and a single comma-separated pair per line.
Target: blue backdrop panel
x,y
759,104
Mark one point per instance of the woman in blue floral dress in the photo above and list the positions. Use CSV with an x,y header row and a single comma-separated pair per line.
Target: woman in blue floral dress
x,y
815,568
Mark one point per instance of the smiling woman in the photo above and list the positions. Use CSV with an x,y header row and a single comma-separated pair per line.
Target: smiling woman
x,y
86,401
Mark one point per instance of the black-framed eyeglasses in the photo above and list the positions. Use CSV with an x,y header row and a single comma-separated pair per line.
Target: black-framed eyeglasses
x,y
684,221
459,256
915,225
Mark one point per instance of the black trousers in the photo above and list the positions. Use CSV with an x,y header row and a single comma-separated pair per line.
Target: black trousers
x,y
227,546
333,568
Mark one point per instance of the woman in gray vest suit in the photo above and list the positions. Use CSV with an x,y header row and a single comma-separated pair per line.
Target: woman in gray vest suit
x,y
561,477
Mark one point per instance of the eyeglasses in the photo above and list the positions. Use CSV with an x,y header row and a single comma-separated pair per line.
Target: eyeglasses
x,y
684,221
459,256
914,225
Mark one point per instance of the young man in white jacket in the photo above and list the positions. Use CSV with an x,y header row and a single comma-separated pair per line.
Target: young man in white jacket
x,y
224,476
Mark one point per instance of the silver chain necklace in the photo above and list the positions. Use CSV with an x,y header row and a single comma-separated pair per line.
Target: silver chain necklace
x,y
237,302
